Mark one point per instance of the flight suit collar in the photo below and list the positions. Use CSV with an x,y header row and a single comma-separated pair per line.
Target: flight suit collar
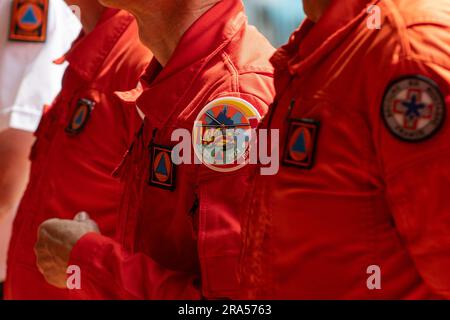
x,y
165,87
313,40
89,51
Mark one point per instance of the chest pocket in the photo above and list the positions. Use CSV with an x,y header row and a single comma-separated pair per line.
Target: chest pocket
x,y
304,120
69,113
327,138
48,125
163,198
130,172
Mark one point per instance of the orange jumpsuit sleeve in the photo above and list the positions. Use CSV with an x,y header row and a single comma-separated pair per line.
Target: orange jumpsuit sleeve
x,y
108,272
415,160
223,198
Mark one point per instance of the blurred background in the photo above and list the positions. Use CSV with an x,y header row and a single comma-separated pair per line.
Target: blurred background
x,y
276,19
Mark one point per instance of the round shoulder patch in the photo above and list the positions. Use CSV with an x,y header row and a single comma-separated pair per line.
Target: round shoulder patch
x,y
413,108
222,133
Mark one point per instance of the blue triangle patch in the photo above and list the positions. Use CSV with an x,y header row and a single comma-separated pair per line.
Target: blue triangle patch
x,y
79,119
29,17
300,145
162,169
80,116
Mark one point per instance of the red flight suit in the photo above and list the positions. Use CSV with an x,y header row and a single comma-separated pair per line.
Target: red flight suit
x,y
365,151
180,238
81,138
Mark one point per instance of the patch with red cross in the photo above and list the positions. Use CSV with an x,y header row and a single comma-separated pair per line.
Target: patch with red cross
x,y
29,20
413,108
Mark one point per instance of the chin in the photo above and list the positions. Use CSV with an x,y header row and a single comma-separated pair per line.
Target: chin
x,y
309,8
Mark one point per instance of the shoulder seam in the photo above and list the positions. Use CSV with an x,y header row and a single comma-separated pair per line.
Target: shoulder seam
x,y
399,27
233,71
424,60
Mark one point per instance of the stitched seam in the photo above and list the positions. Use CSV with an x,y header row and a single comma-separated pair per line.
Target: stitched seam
x,y
399,26
233,71
418,58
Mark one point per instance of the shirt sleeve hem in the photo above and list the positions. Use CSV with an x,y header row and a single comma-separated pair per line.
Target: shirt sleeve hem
x,y
20,118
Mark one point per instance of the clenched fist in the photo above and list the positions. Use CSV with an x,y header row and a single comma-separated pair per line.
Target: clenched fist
x,y
56,238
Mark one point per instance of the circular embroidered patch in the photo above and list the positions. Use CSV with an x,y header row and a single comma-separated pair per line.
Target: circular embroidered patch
x,y
413,108
223,132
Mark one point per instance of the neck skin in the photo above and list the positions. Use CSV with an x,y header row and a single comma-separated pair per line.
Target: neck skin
x,y
162,23
91,12
315,9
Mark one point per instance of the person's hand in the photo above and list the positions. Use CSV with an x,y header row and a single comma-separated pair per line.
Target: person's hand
x,y
56,238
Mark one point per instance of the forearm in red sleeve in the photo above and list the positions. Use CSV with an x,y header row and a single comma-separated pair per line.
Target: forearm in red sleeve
x,y
108,272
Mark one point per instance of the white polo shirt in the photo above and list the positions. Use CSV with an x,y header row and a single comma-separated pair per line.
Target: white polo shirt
x,y
28,77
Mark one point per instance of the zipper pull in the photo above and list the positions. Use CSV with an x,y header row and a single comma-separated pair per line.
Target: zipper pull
x,y
152,141
290,108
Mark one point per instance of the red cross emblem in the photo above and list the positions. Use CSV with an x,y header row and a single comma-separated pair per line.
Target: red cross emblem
x,y
413,109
